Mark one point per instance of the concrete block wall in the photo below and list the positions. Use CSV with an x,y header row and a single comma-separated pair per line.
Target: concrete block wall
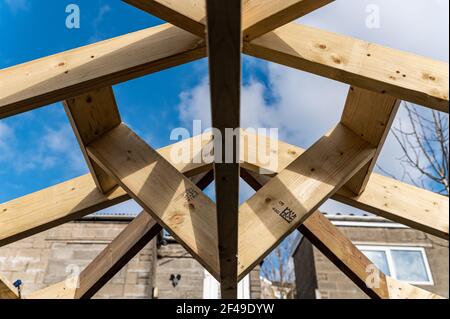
x,y
52,256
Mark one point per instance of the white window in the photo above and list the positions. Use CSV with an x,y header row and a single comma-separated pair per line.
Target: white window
x,y
409,264
211,287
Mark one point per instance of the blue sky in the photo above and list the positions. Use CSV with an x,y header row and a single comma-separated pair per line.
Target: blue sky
x,y
38,148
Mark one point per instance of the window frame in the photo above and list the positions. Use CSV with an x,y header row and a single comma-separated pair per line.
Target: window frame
x,y
391,264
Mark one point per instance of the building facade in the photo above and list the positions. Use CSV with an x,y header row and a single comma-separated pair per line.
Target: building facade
x,y
163,269
405,254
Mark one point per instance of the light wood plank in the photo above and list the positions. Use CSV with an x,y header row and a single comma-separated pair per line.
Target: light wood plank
x,y
7,290
117,254
262,16
76,198
224,52
370,115
346,256
370,66
289,198
386,197
51,79
258,18
61,290
92,115
189,15
112,259
173,200
400,202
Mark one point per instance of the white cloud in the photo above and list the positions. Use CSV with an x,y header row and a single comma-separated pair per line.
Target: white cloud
x,y
55,147
305,106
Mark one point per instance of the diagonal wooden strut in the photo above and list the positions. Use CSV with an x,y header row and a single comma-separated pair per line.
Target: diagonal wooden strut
x,y
173,200
7,290
112,259
386,197
76,198
289,198
224,52
346,256
258,16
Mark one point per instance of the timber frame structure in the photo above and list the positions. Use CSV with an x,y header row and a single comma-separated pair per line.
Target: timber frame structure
x,y
227,239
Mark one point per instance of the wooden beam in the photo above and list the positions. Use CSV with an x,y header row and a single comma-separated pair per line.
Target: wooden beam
x,y
61,290
224,19
117,254
258,16
262,16
284,203
114,257
370,66
161,190
76,198
55,78
386,197
352,262
7,290
400,202
346,256
189,15
370,115
92,115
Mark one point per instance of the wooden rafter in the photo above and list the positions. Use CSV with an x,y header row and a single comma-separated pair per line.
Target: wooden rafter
x,y
258,16
78,197
58,77
346,256
7,290
92,115
263,16
161,190
338,166
112,259
289,198
224,51
366,65
383,196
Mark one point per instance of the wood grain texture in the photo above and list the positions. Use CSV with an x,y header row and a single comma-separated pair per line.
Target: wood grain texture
x,y
224,39
76,198
58,77
189,15
346,256
258,16
370,115
366,65
7,290
113,258
117,254
161,190
92,115
383,196
352,262
289,198
262,16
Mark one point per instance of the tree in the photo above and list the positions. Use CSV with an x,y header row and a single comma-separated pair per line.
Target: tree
x,y
424,139
278,269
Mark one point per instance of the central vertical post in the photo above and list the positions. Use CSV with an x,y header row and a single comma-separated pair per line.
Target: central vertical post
x,y
224,37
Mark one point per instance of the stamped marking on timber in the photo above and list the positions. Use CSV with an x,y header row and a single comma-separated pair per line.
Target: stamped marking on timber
x,y
189,195
285,212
